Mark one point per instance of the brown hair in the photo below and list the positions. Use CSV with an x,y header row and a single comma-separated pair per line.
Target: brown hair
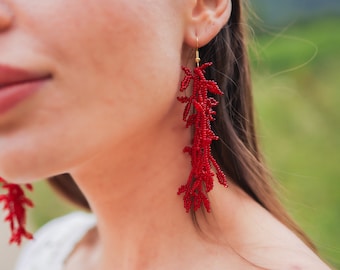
x,y
237,149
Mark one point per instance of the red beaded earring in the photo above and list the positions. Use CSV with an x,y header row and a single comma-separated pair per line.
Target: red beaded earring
x,y
198,113
15,202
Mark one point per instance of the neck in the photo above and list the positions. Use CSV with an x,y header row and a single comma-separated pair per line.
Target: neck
x,y
132,190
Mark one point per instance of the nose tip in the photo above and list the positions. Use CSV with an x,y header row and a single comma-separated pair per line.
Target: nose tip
x,y
6,16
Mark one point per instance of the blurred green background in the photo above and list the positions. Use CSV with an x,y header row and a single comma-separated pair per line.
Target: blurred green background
x,y
296,63
296,74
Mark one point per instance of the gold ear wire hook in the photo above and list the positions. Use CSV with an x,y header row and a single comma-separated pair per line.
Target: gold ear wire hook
x,y
197,59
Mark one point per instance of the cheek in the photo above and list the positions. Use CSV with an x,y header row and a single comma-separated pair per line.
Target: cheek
x,y
121,49
126,64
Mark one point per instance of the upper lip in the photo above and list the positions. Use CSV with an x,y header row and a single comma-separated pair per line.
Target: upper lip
x,y
10,75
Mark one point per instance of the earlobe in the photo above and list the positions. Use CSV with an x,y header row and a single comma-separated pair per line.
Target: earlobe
x,y
207,19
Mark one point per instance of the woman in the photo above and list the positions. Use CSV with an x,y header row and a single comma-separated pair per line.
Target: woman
x,y
102,105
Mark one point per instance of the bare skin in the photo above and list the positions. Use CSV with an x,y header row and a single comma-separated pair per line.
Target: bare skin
x,y
109,116
240,235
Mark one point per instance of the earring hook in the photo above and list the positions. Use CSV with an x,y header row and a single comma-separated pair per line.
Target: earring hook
x,y
197,59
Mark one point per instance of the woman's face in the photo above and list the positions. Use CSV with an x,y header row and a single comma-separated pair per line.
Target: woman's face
x,y
115,68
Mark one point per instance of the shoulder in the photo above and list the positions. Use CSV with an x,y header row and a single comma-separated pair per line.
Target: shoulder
x,y
259,238
54,241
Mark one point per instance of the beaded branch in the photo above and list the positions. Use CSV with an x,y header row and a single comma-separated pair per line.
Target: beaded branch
x,y
15,202
200,180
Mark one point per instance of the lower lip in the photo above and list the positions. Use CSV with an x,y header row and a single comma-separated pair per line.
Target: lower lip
x,y
11,96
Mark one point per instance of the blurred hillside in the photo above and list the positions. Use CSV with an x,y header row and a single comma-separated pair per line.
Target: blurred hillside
x,y
283,12
295,62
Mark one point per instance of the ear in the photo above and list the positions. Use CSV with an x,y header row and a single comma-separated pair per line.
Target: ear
x,y
205,19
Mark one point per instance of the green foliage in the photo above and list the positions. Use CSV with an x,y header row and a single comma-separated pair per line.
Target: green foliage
x,y
296,81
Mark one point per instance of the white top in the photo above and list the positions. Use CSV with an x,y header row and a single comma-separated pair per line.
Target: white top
x,y
55,241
